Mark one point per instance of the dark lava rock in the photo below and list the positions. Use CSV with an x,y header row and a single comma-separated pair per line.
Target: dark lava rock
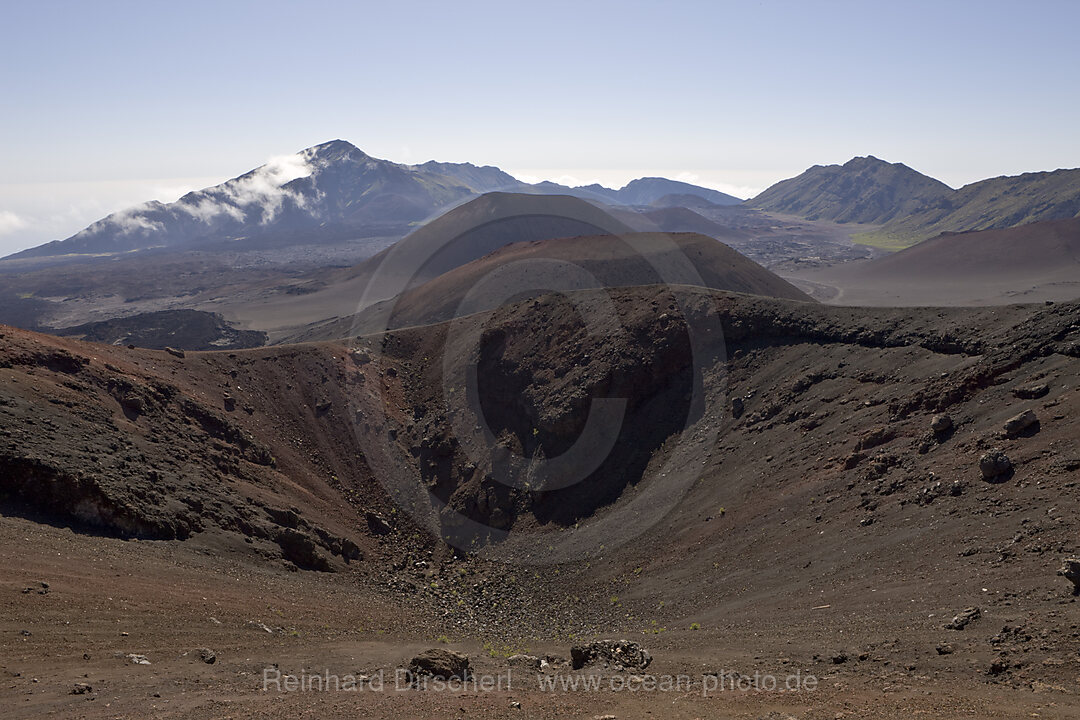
x,y
378,525
619,654
442,664
133,402
207,655
1031,392
877,436
302,550
964,618
995,465
1018,424
1070,570
941,424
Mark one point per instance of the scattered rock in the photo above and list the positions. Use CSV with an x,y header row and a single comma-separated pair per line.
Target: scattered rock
x,y
998,666
301,549
378,525
1070,570
1031,392
852,461
42,588
737,408
552,662
138,659
964,618
941,424
323,406
995,465
839,658
619,654
524,662
230,403
133,403
174,352
349,550
877,436
81,689
207,655
1019,424
944,649
441,664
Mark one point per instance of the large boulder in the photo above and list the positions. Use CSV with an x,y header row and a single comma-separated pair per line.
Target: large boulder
x,y
1019,424
1031,392
378,525
301,549
1070,570
941,424
617,655
441,664
964,618
995,465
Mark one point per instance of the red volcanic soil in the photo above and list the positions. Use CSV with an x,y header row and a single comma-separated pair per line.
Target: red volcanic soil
x,y
825,529
459,236
529,269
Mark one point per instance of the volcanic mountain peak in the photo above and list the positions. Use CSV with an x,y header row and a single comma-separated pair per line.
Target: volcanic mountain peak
x,y
328,193
325,193
913,207
646,190
862,190
333,150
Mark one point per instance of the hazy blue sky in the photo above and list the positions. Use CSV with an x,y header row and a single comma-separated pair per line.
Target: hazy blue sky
x,y
105,104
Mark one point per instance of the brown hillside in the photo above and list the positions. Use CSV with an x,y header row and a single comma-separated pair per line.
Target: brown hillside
x,y
776,498
533,268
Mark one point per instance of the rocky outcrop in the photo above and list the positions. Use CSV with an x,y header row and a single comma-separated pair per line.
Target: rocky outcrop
x,y
995,466
1020,424
617,655
441,664
1070,570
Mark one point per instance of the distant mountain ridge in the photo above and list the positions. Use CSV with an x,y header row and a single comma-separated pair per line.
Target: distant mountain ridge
x,y
327,193
911,207
994,204
862,190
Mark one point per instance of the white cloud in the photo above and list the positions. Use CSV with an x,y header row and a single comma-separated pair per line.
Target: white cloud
x,y
206,210
10,222
131,221
54,211
262,187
